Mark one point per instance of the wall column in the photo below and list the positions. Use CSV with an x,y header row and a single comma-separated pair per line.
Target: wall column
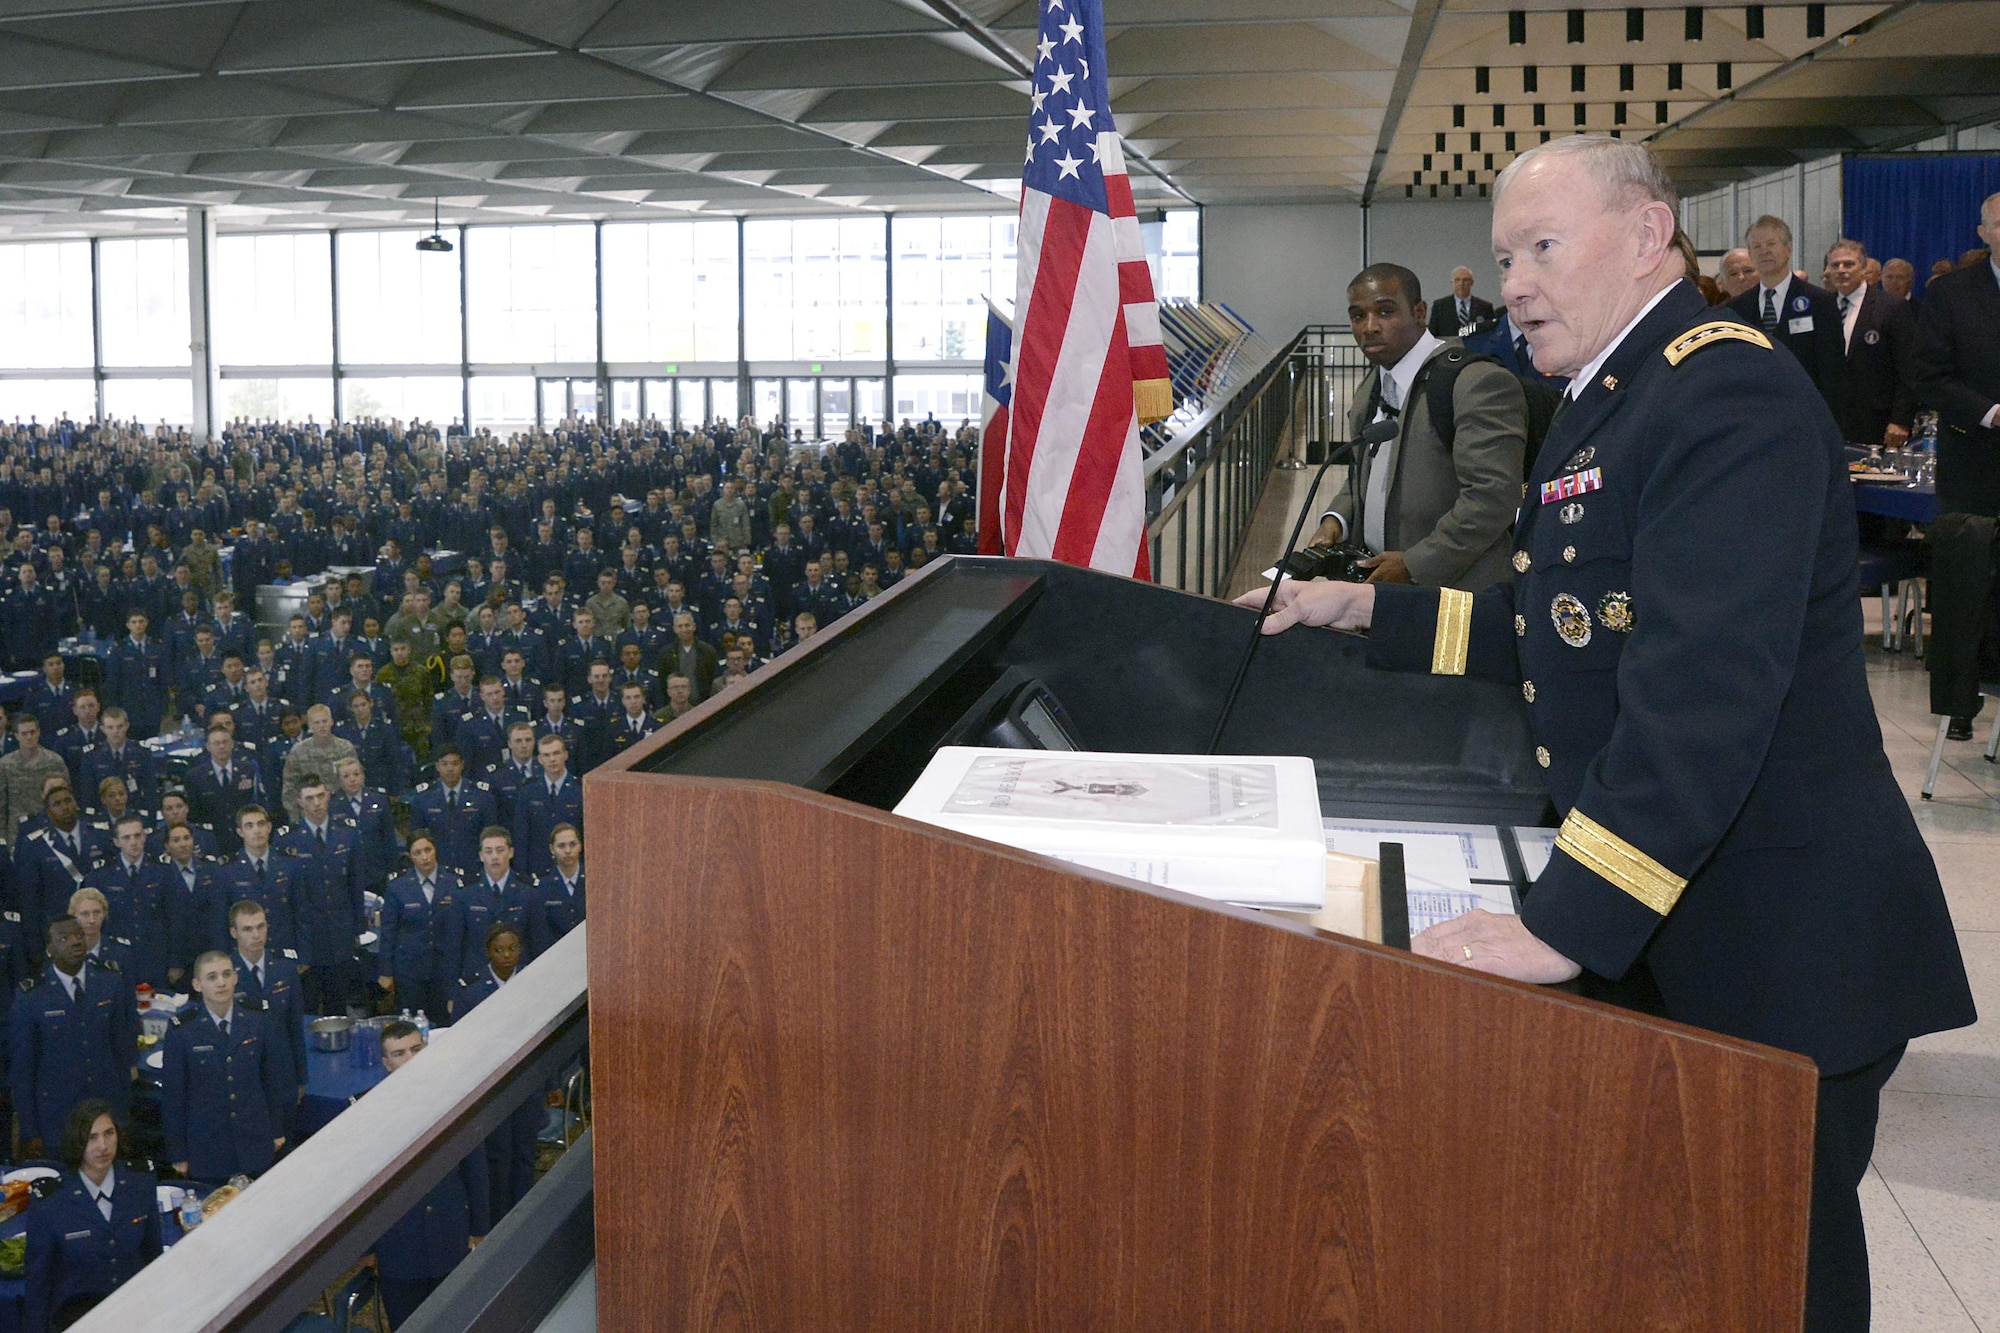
x,y
201,348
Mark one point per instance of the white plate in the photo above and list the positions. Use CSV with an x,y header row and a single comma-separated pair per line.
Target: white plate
x,y
31,1173
156,1058
365,938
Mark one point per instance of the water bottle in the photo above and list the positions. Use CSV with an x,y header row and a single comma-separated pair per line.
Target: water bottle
x,y
424,1027
190,1210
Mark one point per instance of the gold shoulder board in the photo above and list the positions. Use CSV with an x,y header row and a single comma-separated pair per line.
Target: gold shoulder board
x,y
1701,335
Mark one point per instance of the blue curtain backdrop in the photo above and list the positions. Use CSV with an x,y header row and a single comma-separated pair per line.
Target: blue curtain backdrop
x,y
1922,207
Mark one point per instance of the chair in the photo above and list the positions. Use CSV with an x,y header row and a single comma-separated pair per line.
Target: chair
x,y
1898,572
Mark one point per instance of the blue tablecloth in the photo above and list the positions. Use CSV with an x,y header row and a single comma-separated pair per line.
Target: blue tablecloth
x,y
332,1081
14,686
1911,504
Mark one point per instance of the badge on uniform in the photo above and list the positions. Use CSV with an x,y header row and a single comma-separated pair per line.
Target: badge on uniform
x,y
1801,304
1572,483
1570,513
1872,337
1614,611
1581,459
1572,620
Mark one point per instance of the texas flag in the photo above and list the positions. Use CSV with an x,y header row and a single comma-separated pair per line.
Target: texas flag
x,y
998,399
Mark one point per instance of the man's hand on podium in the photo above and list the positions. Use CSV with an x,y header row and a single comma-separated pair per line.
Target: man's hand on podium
x,y
1330,602
1490,942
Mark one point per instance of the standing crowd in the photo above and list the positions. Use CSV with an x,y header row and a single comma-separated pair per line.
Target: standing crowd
x,y
487,621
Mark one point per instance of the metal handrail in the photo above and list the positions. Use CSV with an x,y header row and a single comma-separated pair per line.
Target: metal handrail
x,y
1202,489
258,1263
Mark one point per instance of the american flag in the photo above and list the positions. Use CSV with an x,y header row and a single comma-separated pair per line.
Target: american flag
x,y
1089,367
999,396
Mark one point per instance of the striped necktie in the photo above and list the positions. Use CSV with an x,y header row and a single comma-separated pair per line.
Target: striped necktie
x,y
1770,319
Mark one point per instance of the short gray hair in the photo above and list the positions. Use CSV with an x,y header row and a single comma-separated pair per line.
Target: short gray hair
x,y
1627,173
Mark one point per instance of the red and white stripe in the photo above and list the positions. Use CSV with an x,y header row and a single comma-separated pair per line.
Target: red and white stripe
x,y
1086,331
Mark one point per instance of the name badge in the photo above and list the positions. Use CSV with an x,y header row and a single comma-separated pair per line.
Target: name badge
x,y
201,1050
1803,324
76,1235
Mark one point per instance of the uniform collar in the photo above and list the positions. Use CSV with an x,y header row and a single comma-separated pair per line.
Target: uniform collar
x,y
1589,372
1670,313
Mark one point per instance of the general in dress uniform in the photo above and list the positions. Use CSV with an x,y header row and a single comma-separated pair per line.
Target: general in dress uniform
x,y
1685,629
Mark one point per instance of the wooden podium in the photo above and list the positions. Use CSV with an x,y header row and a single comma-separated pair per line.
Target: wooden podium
x,y
859,1075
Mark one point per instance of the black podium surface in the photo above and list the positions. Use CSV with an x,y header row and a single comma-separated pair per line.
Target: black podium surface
x,y
859,710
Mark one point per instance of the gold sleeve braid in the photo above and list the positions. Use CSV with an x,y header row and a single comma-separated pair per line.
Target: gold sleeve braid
x,y
1603,852
1454,632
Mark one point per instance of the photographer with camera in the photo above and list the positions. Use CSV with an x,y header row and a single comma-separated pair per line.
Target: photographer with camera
x,y
1438,500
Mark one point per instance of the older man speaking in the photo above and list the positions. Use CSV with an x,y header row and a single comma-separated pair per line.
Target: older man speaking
x,y
1685,625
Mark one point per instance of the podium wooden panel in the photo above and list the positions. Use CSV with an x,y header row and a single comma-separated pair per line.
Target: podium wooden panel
x,y
857,1075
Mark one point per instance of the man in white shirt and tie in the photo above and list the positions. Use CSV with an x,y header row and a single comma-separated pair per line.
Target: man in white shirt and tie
x,y
1463,312
1880,336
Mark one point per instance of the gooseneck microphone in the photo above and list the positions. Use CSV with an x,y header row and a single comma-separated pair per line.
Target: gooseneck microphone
x,y
1370,439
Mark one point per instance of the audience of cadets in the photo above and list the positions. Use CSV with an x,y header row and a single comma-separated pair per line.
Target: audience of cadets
x,y
497,893
226,1090
555,797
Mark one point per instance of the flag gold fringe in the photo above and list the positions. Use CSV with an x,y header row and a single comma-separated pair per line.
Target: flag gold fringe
x,y
1153,399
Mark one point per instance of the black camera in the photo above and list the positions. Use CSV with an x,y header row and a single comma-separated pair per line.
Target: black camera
x,y
1328,562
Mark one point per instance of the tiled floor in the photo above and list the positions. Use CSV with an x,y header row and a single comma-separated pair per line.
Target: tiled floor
x,y
1932,1199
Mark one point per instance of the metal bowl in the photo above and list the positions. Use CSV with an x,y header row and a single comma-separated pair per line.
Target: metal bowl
x,y
334,1033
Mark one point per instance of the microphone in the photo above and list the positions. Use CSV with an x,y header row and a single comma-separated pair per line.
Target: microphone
x,y
1370,439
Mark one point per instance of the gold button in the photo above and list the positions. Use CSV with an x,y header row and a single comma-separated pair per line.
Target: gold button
x,y
1521,562
1569,555
1542,755
1520,626
1528,690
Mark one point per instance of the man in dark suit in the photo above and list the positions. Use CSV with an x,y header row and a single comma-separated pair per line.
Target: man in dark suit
x,y
1881,337
1958,373
1437,516
1751,868
1463,312
1794,314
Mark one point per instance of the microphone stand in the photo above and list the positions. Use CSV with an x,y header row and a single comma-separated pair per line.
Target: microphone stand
x,y
1373,438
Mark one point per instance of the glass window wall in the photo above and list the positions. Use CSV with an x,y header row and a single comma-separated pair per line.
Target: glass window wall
x,y
946,270
143,300
815,288
670,293
150,402
532,293
44,401
274,300
398,304
437,399
45,306
952,399
503,404
291,398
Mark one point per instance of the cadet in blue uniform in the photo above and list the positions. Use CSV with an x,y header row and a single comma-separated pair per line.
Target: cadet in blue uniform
x,y
510,1149
366,811
137,908
455,811
558,902
136,677
1686,632
517,769
260,875
481,734
53,861
322,857
497,893
412,965
221,783
226,1087
101,1226
117,755
192,890
270,977
74,1034
555,798
425,1244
